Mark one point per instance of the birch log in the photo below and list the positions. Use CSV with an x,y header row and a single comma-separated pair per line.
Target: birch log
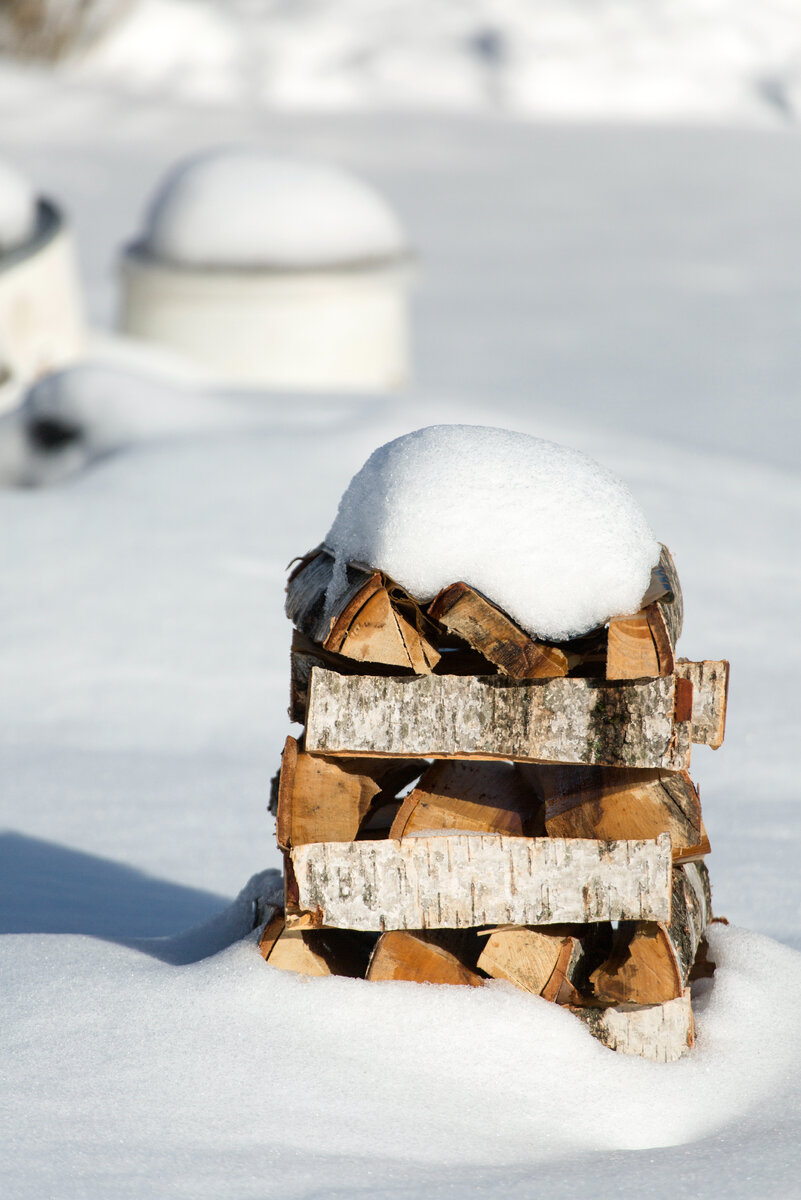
x,y
644,644
661,1032
562,720
421,957
314,952
460,880
710,681
468,796
549,961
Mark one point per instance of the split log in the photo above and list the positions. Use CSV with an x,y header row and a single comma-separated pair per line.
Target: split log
x,y
372,620
641,724
550,961
487,629
651,964
643,645
465,796
661,1032
461,880
614,802
710,681
314,952
420,957
306,654
326,800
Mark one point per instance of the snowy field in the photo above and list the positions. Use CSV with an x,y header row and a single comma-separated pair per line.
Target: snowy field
x,y
634,292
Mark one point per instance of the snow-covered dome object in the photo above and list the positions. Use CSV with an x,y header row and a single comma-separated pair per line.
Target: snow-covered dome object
x,y
244,207
546,533
272,270
17,208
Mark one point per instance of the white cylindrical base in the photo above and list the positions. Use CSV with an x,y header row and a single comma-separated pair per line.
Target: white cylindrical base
x,y
340,329
42,326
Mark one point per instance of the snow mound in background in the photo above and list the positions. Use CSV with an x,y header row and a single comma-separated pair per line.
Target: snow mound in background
x,y
243,207
17,208
546,533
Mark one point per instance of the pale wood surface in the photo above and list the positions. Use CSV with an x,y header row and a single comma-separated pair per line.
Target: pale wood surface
x,y
487,629
562,720
542,961
420,958
661,1032
482,797
710,682
643,644
313,952
463,880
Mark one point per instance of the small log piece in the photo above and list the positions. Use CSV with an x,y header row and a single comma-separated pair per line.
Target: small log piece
x,y
614,802
710,682
661,1032
456,881
562,720
548,961
421,957
326,800
314,952
481,797
472,617
651,964
643,645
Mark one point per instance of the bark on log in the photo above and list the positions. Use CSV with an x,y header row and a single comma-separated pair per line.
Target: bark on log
x,y
306,654
314,952
661,1032
462,880
651,964
420,957
710,682
478,797
561,720
548,962
610,802
487,629
326,800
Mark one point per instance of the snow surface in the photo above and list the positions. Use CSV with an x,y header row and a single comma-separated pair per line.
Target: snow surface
x,y
17,208
693,60
633,293
550,536
244,207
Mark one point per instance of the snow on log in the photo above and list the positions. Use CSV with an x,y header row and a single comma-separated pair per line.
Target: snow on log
x,y
557,720
651,964
456,881
610,802
660,1032
710,682
488,630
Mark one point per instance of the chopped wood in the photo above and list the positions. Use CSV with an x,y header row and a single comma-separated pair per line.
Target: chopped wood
x,y
615,802
643,644
651,964
420,957
461,880
710,682
314,952
306,654
661,1032
544,961
465,796
471,616
326,800
561,720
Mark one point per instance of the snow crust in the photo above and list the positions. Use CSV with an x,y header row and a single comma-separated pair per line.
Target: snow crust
x,y
243,207
17,208
550,536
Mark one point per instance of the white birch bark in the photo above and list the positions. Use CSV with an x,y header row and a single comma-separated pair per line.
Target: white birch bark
x,y
661,1032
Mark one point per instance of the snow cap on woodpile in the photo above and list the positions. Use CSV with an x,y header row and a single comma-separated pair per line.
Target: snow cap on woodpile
x,y
17,208
546,533
242,207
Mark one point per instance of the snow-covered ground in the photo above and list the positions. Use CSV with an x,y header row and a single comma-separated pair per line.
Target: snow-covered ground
x,y
634,293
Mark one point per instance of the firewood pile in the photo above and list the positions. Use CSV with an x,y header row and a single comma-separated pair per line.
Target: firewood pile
x,y
467,803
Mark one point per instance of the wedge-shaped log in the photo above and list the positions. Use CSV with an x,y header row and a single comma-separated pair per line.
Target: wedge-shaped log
x,y
642,724
326,800
661,1032
421,957
610,802
460,880
372,619
480,797
547,961
710,682
644,644
651,964
314,952
472,617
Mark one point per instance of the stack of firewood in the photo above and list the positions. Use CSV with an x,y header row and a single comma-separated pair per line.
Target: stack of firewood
x,y
467,803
